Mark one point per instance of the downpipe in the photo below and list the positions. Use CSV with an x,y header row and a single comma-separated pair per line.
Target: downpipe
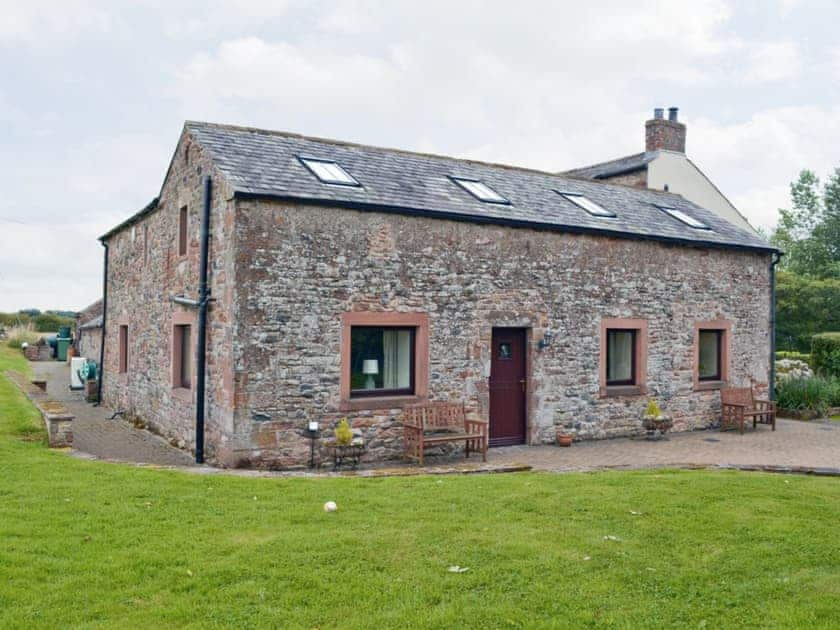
x,y
201,332
774,260
104,320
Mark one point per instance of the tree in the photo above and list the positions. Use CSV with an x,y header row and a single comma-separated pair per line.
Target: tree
x,y
809,232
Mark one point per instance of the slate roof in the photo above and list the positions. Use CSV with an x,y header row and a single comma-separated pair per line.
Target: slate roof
x,y
611,168
266,164
96,322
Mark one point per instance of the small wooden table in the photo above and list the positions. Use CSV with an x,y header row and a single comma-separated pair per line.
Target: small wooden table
x,y
346,452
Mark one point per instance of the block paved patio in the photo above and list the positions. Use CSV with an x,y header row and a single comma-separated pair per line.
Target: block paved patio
x,y
794,444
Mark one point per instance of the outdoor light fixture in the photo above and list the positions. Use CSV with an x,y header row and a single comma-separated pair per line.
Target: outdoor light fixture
x,y
546,340
313,434
370,367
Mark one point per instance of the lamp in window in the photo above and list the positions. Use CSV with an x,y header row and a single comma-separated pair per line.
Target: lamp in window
x,y
370,367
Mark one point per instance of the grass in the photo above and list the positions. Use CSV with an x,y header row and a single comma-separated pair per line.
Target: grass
x,y
100,545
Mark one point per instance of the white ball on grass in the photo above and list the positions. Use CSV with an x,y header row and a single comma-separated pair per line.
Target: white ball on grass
x,y
330,506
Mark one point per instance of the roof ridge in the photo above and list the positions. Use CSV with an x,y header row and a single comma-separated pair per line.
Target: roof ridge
x,y
640,154
345,143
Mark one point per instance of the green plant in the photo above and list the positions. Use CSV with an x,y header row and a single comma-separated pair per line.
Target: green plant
x,y
794,355
653,409
343,434
815,394
825,353
18,335
50,322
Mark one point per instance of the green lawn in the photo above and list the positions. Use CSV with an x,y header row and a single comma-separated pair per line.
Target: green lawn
x,y
93,544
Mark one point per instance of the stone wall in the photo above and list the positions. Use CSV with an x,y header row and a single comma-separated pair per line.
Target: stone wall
x,y
88,343
637,179
144,272
305,266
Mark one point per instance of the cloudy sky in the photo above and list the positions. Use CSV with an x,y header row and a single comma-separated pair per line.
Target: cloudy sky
x,y
93,97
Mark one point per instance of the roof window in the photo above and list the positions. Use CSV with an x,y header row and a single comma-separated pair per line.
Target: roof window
x,y
684,217
480,190
587,204
329,172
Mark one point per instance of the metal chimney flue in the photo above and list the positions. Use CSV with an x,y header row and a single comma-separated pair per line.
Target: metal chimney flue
x,y
672,114
658,113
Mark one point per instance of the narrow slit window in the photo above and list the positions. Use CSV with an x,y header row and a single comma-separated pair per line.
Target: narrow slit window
x,y
587,204
480,190
183,356
183,217
123,349
329,172
684,217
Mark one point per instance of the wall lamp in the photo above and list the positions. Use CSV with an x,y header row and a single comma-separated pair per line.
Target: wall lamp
x,y
546,340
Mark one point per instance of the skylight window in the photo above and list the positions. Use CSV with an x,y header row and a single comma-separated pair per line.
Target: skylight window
x,y
329,172
480,190
689,220
587,204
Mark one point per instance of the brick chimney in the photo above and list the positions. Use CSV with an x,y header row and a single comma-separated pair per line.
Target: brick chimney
x,y
665,134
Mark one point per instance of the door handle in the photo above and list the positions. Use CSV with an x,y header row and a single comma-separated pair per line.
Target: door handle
x,y
522,382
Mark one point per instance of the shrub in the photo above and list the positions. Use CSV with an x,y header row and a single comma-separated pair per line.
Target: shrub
x,y
49,322
17,335
808,394
793,354
805,307
825,353
13,319
791,368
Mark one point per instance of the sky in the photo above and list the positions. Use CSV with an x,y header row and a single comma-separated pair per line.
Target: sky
x,y
93,96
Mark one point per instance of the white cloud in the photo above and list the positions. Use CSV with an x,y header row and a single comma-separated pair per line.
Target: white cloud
x,y
773,61
759,157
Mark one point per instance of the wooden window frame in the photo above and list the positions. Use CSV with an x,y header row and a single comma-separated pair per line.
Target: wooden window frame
x,y
724,328
383,399
640,342
183,230
181,319
634,342
404,391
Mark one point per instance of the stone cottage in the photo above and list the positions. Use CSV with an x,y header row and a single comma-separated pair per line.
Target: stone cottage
x,y
278,279
88,327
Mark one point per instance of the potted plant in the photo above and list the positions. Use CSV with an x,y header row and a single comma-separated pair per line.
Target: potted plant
x,y
655,422
563,438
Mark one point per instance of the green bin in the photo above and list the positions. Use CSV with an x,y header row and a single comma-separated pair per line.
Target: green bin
x,y
61,348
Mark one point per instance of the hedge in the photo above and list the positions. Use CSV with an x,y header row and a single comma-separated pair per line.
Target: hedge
x,y
825,353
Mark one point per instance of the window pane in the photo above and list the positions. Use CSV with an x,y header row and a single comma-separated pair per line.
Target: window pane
x,y
186,357
381,359
709,354
329,172
480,190
620,356
587,204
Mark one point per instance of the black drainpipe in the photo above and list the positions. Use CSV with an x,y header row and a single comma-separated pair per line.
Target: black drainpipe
x,y
104,312
201,333
774,260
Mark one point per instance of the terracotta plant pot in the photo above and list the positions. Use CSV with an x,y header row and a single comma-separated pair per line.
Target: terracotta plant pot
x,y
564,439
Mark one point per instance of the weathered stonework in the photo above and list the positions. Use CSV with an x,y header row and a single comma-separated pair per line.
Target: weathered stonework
x,y
144,273
283,274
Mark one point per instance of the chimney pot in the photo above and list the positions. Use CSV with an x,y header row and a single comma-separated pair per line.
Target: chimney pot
x,y
658,113
672,114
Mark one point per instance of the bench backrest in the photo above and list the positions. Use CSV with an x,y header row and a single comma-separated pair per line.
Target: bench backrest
x,y
435,415
736,396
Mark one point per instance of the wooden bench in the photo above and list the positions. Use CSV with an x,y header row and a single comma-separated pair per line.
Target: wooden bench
x,y
738,404
430,424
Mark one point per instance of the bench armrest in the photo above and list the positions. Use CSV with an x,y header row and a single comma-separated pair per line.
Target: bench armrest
x,y
481,425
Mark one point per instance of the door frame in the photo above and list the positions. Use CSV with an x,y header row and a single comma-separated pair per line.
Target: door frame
x,y
527,371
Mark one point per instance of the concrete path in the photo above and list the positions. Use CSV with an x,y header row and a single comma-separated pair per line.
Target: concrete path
x,y
94,434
